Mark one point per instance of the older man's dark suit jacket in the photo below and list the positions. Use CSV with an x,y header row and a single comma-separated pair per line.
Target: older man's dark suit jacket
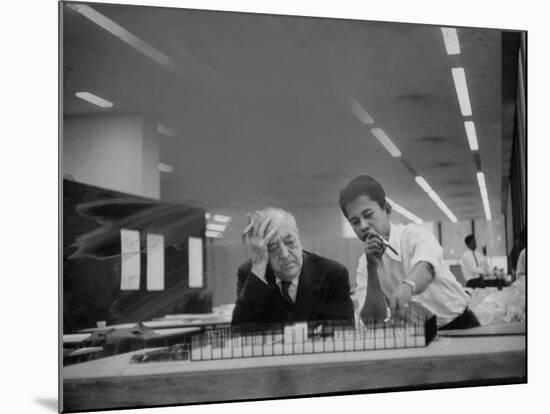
x,y
323,294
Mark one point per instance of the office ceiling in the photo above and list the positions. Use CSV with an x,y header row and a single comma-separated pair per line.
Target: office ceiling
x,y
262,104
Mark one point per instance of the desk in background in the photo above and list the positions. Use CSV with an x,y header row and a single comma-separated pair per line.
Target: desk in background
x,y
101,342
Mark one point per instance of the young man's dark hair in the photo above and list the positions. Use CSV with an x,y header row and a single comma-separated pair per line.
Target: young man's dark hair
x,y
362,185
469,238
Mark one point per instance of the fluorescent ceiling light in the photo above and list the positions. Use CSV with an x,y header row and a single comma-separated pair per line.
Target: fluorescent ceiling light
x,y
433,195
214,234
164,130
221,218
215,227
423,184
481,180
487,211
404,212
127,37
484,195
207,216
165,168
94,99
459,77
386,142
471,134
450,38
442,206
360,113
485,200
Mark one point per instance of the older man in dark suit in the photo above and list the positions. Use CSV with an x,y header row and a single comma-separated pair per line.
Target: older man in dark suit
x,y
281,283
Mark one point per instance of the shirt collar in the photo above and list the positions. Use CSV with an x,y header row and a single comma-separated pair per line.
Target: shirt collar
x,y
395,242
293,282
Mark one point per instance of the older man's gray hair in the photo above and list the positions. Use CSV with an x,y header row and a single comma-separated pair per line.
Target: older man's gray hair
x,y
278,215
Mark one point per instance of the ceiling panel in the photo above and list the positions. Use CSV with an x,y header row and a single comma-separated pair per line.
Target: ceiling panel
x,y
263,104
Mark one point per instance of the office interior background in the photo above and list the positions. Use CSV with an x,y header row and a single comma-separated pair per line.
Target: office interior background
x,y
225,113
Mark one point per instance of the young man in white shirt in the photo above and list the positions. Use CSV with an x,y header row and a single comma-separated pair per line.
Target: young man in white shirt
x,y
412,272
473,264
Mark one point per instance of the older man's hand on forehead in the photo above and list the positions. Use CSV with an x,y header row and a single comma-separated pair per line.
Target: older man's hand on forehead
x,y
257,235
255,222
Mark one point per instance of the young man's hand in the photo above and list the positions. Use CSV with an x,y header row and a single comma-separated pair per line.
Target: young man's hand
x,y
400,301
373,246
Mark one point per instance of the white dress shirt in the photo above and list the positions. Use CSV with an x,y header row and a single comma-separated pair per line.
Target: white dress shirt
x,y
473,264
444,296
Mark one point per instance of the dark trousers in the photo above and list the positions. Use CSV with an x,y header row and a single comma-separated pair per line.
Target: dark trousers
x,y
478,282
464,321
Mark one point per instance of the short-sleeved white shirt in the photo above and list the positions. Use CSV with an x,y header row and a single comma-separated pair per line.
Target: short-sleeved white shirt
x,y
444,296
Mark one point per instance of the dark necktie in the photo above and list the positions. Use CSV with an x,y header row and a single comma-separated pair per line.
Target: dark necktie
x,y
374,309
475,258
285,286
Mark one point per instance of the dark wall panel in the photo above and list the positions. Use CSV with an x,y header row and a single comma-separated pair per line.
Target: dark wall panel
x,y
92,219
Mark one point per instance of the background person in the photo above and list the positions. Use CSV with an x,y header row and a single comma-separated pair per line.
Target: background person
x,y
474,264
